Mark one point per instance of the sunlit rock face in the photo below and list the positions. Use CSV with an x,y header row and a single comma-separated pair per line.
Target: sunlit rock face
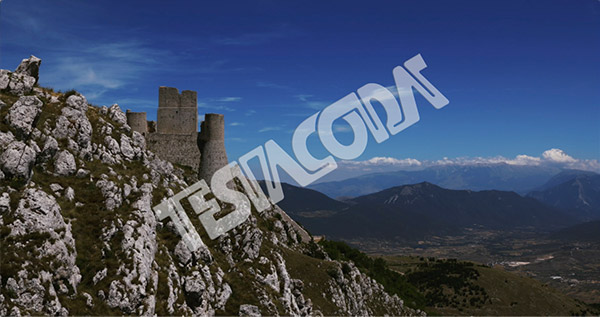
x,y
79,236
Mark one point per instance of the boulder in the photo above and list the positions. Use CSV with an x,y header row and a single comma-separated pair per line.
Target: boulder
x,y
249,310
30,67
65,163
117,115
4,78
23,113
18,159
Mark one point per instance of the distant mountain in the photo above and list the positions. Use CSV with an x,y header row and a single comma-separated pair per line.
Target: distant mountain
x,y
562,177
298,200
412,212
575,192
502,176
587,231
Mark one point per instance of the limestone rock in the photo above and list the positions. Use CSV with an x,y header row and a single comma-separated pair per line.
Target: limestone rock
x,y
249,310
74,125
30,67
89,301
38,212
139,141
99,276
4,78
17,159
126,148
183,253
4,203
19,84
111,193
56,187
117,115
65,163
69,194
6,138
22,114
81,173
139,246
50,147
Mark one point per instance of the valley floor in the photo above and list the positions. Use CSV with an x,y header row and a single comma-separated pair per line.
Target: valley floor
x,y
571,267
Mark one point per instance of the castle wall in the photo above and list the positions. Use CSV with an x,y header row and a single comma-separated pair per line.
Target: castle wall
x,y
137,121
175,148
177,113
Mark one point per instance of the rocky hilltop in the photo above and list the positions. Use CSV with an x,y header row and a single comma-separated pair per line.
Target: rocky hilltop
x,y
78,235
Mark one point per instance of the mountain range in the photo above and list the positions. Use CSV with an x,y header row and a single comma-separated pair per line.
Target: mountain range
x,y
501,176
413,212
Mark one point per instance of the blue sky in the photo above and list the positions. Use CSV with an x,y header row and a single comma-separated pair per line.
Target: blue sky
x,y
522,77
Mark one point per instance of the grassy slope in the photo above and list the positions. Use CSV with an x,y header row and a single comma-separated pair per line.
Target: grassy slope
x,y
507,293
88,220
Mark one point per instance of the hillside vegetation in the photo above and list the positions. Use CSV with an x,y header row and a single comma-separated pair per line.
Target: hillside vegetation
x,y
78,235
454,287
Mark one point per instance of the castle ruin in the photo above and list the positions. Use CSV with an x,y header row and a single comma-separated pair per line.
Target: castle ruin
x,y
211,142
174,136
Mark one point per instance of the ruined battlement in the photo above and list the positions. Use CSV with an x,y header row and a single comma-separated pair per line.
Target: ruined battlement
x,y
174,136
177,113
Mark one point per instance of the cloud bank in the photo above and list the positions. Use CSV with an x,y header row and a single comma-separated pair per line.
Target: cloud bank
x,y
551,157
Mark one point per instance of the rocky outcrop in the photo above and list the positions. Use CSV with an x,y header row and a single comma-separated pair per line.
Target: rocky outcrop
x,y
36,286
22,80
79,235
30,67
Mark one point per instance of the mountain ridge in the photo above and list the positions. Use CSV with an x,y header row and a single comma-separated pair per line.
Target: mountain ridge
x,y
415,211
500,176
576,193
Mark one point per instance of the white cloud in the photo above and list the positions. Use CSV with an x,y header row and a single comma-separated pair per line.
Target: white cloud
x,y
267,129
557,155
378,160
229,99
311,104
552,157
236,124
302,97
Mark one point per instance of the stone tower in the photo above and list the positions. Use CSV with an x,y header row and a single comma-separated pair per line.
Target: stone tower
x,y
211,141
177,113
137,121
174,137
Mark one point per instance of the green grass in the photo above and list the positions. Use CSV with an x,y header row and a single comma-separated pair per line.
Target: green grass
x,y
466,288
86,221
313,272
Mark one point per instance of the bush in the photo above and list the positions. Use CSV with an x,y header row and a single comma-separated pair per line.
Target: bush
x,y
69,93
